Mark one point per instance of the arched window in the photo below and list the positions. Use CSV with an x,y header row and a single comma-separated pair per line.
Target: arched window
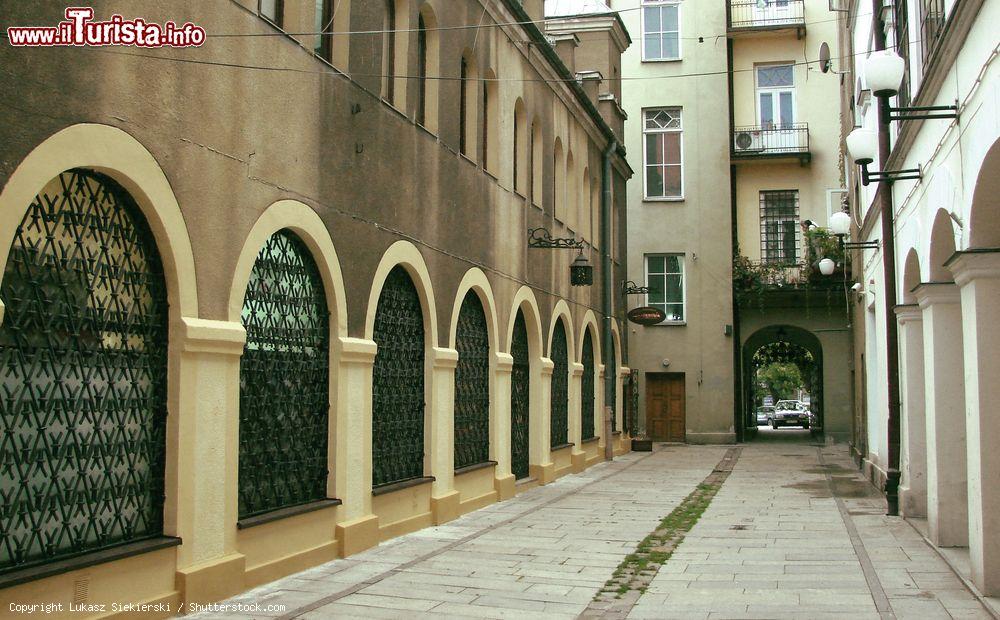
x,y
586,215
520,399
427,69
398,49
587,393
421,70
284,380
558,182
520,148
468,105
560,387
333,16
389,52
398,383
83,375
472,385
571,207
324,26
490,146
537,164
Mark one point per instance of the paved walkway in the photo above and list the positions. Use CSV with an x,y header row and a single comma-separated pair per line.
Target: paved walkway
x,y
774,543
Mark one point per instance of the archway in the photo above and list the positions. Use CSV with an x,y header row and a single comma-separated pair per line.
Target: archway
x,y
781,363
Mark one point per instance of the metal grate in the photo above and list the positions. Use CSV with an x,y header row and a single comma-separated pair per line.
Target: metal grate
x,y
472,385
398,383
587,388
284,380
519,399
779,227
902,29
83,375
559,407
932,20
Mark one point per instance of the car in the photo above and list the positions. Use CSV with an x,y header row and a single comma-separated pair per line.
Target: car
x,y
764,414
790,413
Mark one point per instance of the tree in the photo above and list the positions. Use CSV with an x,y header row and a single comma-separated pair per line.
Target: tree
x,y
780,380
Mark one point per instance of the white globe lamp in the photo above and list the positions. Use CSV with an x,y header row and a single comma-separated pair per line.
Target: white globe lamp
x,y
840,223
826,266
884,73
862,144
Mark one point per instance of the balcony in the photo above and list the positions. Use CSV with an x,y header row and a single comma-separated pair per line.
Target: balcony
x,y
774,143
761,286
771,16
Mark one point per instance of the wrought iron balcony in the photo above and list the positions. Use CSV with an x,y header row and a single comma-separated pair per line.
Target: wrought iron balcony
x,y
748,15
772,142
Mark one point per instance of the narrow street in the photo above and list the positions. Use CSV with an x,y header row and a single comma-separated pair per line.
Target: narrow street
x,y
793,532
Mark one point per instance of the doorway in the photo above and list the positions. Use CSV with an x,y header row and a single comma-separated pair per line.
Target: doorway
x,y
665,406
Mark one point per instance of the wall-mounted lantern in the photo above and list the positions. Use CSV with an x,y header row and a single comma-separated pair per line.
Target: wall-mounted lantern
x,y
581,273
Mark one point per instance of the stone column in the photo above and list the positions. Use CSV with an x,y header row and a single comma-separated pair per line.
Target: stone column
x,y
978,275
203,495
359,530
575,413
944,403
500,429
540,431
913,488
444,498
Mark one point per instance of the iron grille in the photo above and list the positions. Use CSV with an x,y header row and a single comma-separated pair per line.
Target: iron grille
x,y
587,389
902,28
472,385
398,383
284,380
779,227
932,20
559,407
519,399
611,393
83,372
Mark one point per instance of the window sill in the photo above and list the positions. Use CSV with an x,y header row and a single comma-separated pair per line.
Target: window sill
x,y
284,513
91,558
402,484
475,467
678,59
670,324
561,446
589,440
664,199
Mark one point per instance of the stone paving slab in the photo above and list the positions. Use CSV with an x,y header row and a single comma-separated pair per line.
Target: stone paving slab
x,y
774,543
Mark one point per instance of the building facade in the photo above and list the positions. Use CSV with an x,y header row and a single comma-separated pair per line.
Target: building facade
x,y
725,215
270,301
942,294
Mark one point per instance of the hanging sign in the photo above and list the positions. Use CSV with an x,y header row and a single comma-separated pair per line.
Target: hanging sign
x,y
646,315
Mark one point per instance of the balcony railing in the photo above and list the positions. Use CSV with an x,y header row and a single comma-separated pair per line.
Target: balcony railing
x,y
766,14
771,140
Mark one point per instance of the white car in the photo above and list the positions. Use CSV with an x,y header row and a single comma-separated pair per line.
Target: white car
x,y
790,413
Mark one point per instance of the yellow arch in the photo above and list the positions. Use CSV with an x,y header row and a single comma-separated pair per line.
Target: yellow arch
x,y
113,152
561,312
475,280
524,300
406,255
305,223
590,322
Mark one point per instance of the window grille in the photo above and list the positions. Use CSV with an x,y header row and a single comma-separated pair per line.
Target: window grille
x,y
902,26
472,385
398,383
83,375
519,399
587,388
611,393
780,236
932,19
284,380
559,408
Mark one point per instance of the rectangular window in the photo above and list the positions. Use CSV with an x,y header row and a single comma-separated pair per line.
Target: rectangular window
x,y
272,11
903,49
775,96
663,162
931,26
779,227
324,24
463,107
665,279
661,26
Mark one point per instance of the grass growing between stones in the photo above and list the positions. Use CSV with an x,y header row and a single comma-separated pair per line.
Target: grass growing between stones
x,y
637,570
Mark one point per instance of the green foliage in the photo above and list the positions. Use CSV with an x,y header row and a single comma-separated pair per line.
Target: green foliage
x,y
820,244
781,381
751,280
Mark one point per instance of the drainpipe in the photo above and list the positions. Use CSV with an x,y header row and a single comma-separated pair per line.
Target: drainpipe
x,y
607,286
889,284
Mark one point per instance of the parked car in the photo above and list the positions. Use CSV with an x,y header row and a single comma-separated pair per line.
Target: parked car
x,y
764,414
790,413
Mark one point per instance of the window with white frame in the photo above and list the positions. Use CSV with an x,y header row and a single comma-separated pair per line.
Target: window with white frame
x,y
663,161
665,279
661,29
775,96
780,235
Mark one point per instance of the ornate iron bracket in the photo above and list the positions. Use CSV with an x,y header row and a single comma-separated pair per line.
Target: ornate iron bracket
x,y
543,239
631,288
922,113
857,245
909,174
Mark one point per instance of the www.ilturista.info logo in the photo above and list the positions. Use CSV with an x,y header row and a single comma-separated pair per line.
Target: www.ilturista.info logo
x,y
79,29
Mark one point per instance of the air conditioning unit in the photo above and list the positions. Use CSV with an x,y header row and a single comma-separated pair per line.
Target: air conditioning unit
x,y
748,142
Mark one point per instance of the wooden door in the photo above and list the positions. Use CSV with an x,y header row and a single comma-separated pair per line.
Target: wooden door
x,y
665,416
